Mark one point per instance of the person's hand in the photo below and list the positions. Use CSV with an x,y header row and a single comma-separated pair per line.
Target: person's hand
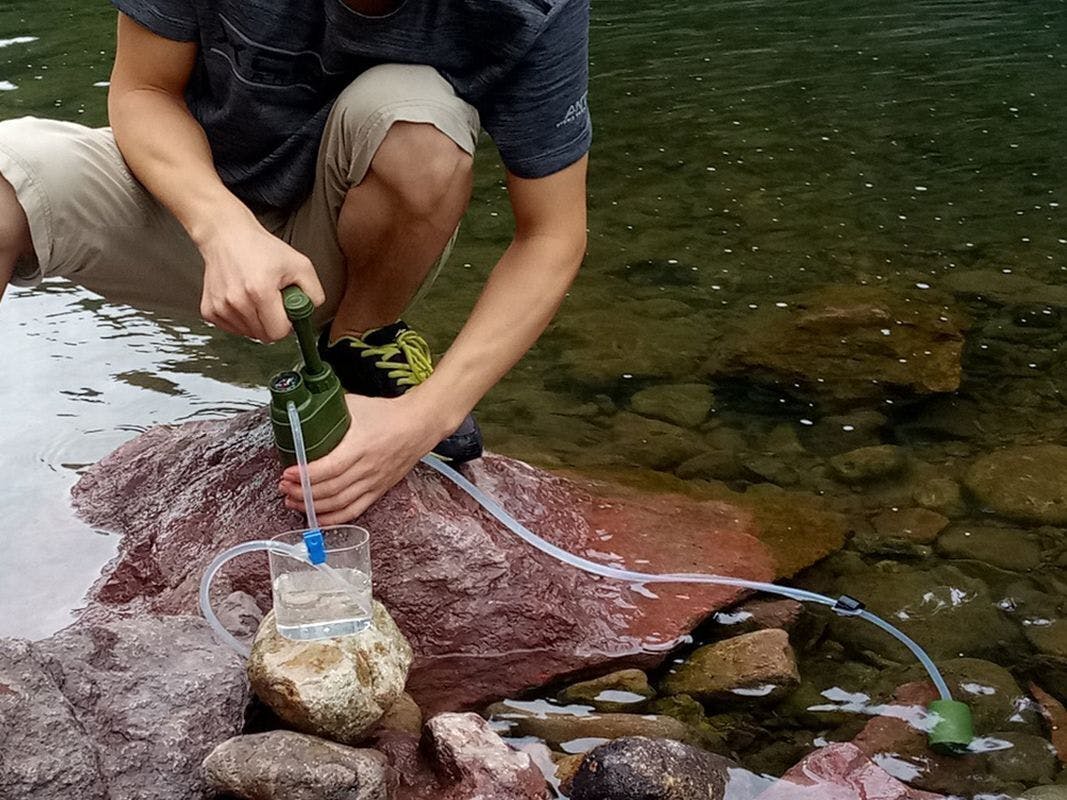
x,y
386,439
245,270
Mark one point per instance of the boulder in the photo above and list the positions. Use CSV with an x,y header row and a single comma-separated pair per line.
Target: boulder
x,y
1002,547
45,754
487,615
119,708
1050,639
919,525
840,345
761,613
642,768
283,765
404,715
868,464
751,667
478,763
841,772
1022,483
336,688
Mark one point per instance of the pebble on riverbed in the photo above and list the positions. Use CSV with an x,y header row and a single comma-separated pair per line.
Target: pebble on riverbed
x,y
618,691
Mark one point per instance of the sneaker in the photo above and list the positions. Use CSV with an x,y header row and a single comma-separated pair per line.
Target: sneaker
x,y
386,362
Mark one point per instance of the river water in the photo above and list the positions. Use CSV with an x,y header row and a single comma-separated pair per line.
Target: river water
x,y
746,151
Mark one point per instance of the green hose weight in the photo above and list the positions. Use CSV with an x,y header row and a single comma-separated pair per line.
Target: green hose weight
x,y
953,728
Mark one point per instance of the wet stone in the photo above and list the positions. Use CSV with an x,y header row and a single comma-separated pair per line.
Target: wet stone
x,y
938,494
749,668
578,732
917,525
840,433
619,691
639,768
1030,759
337,688
652,443
1050,639
869,464
404,716
1045,793
1024,483
1001,547
282,765
761,614
683,404
714,465
946,611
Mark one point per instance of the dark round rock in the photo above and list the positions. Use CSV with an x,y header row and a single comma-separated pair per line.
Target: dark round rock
x,y
639,768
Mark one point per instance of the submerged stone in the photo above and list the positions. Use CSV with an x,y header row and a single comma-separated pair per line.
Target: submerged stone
x,y
917,525
337,688
1001,547
1024,483
283,765
842,344
487,615
1028,760
617,691
642,768
684,404
752,667
869,463
1050,637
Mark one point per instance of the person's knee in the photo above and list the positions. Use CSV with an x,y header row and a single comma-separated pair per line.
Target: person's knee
x,y
15,240
427,173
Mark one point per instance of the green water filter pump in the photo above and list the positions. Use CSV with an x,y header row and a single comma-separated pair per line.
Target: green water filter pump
x,y
313,388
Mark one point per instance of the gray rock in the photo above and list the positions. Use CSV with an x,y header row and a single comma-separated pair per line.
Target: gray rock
x,y
155,695
639,768
751,667
1001,547
683,404
617,691
869,463
44,752
240,615
478,762
1023,483
1029,760
282,765
336,688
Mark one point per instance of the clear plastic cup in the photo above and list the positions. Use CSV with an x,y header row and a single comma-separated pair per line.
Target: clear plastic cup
x,y
315,603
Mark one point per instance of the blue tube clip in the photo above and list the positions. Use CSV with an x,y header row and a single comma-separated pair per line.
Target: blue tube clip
x,y
316,546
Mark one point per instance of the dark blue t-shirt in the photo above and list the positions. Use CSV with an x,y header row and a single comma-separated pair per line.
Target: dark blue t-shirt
x,y
268,72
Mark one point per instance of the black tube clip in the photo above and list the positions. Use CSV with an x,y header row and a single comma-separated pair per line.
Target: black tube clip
x,y
848,606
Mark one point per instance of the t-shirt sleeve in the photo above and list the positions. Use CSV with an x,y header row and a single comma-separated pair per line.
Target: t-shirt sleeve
x,y
539,116
171,19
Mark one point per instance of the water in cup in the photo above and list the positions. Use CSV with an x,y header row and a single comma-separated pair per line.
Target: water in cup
x,y
312,604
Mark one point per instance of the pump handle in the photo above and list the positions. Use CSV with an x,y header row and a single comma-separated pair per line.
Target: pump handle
x,y
297,304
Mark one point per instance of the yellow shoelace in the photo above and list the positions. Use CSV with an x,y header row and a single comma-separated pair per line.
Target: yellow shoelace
x,y
416,364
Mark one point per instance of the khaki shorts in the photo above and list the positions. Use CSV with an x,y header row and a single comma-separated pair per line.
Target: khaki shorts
x,y
93,223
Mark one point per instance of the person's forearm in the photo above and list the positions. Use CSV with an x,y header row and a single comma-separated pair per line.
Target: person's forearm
x,y
167,151
521,297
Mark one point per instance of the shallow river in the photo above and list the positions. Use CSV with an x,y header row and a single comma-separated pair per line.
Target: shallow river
x,y
746,151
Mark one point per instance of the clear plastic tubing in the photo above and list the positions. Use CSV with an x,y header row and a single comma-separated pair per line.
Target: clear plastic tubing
x,y
302,463
502,516
293,551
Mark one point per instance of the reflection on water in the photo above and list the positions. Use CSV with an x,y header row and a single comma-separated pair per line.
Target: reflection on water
x,y
747,158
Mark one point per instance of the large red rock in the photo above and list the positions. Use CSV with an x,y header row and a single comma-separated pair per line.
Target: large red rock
x,y
487,615
841,772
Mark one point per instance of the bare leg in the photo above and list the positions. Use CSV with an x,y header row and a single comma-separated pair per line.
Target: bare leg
x,y
395,224
14,233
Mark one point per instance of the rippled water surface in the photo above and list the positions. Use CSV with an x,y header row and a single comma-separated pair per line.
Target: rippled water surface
x,y
746,152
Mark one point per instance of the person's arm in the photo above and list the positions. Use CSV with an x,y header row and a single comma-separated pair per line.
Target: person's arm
x,y
245,267
522,295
